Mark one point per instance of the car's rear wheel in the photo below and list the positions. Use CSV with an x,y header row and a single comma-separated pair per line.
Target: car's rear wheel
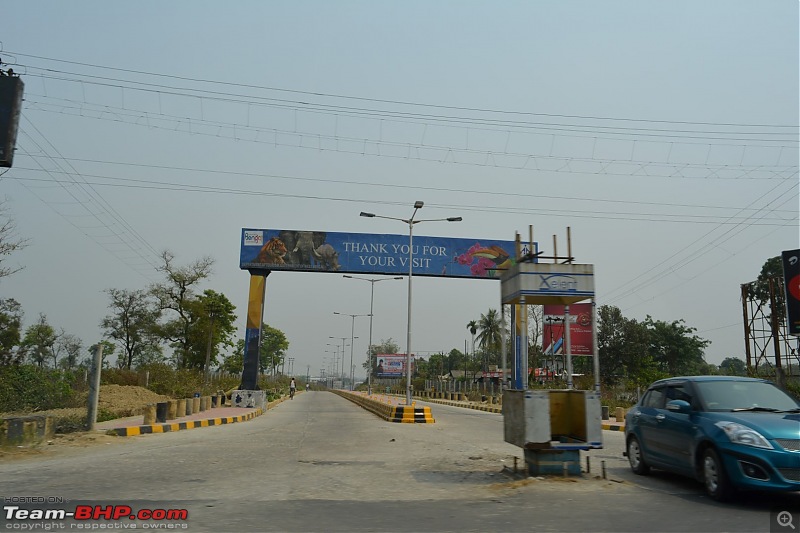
x,y
635,458
714,476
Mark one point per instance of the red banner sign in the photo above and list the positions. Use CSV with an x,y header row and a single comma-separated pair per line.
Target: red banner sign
x,y
580,332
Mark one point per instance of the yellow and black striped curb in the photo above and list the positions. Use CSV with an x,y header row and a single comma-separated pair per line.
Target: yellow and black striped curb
x,y
178,426
404,414
499,409
477,406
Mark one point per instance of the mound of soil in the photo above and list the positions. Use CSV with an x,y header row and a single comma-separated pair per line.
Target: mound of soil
x,y
127,400
119,400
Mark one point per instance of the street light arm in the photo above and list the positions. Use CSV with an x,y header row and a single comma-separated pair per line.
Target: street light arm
x,y
450,219
373,215
374,280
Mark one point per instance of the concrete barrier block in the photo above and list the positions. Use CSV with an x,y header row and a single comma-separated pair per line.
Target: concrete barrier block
x,y
172,409
149,414
249,398
26,430
161,412
189,406
196,405
180,408
619,414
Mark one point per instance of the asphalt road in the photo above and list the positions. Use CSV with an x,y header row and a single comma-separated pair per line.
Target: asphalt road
x,y
321,463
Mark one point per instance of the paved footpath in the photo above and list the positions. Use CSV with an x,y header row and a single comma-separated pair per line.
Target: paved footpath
x,y
216,416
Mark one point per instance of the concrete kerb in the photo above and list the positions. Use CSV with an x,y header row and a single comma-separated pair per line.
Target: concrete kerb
x,y
467,405
129,427
389,409
618,425
145,429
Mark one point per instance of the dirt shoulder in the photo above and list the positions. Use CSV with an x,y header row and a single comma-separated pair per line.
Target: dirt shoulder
x,y
119,400
61,444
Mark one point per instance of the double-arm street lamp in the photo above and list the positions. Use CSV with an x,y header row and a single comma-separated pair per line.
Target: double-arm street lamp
x,y
342,359
410,221
352,341
369,348
335,353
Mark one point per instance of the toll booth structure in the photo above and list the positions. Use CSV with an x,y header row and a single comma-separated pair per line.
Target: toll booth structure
x,y
551,426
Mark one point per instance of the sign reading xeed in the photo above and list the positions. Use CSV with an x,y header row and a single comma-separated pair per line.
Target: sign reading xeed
x,y
543,283
558,282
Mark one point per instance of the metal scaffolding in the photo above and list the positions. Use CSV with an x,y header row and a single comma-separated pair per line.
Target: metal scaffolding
x,y
769,349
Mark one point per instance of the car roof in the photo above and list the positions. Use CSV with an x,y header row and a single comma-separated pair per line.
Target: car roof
x,y
704,378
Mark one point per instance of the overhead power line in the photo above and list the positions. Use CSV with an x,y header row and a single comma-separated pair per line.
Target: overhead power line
x,y
230,83
429,152
577,213
344,181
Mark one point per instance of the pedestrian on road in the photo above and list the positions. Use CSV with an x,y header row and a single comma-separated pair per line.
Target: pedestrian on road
x,y
292,387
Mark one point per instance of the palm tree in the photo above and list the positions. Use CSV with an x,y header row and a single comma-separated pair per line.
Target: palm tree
x,y
490,336
472,326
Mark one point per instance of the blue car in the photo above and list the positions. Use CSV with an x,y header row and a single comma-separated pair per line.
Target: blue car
x,y
728,432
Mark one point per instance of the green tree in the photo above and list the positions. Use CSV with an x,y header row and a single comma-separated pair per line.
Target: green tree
x,y
213,328
623,346
175,295
733,366
472,326
674,347
150,354
437,365
38,341
772,269
109,348
272,348
535,332
132,322
421,367
234,362
10,331
68,347
490,336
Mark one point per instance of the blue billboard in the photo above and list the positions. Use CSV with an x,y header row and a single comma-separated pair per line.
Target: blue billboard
x,y
368,253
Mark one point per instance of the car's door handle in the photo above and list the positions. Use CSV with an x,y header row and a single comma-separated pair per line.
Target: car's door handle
x,y
660,417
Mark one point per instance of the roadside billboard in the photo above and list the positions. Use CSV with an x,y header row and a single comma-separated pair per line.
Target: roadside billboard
x,y
392,365
580,331
368,253
791,283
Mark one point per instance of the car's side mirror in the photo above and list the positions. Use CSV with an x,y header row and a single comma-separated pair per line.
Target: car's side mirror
x,y
679,406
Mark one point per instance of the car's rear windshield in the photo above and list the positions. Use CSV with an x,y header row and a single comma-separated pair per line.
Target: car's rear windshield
x,y
729,395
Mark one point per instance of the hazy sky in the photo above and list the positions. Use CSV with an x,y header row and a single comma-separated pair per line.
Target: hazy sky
x,y
664,134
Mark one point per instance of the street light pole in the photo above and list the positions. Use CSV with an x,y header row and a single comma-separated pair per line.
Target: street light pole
x,y
352,341
343,338
371,302
410,221
336,357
